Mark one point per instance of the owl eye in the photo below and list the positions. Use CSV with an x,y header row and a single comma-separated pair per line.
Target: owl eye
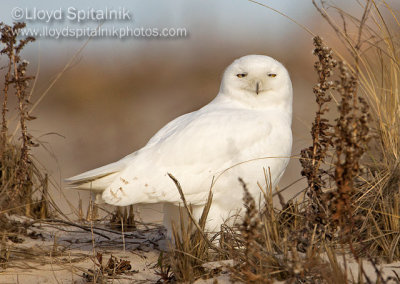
x,y
241,75
272,75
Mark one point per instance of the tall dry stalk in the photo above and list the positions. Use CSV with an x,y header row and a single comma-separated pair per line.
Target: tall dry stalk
x,y
315,157
7,34
20,178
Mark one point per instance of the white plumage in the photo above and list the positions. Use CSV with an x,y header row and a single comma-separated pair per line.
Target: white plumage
x,y
245,130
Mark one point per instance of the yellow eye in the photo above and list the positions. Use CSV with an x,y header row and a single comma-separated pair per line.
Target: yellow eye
x,y
241,75
272,75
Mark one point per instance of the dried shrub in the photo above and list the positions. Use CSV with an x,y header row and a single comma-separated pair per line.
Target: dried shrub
x,y
266,247
343,142
23,186
350,142
105,271
313,159
331,165
338,148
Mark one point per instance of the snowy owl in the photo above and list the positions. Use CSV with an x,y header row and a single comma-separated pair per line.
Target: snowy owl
x,y
243,132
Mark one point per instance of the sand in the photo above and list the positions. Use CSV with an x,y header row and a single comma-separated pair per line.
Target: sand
x,y
57,252
63,253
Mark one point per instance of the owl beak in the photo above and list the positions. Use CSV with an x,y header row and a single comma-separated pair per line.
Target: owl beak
x,y
257,87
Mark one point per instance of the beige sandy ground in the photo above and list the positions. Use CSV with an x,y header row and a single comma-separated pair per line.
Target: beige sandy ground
x,y
63,253
62,272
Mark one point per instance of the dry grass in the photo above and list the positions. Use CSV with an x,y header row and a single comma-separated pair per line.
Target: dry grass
x,y
105,271
372,45
192,247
